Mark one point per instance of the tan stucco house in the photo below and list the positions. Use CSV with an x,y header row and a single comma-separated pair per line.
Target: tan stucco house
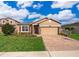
x,y
45,26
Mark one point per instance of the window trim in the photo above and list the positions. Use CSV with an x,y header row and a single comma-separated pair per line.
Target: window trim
x,y
22,27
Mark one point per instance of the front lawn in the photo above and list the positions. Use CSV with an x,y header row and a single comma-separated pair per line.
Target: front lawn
x,y
21,43
74,36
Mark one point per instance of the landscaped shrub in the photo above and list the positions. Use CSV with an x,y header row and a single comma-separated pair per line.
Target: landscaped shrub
x,y
8,29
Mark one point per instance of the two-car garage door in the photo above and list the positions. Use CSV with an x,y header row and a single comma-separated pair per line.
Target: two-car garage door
x,y
49,31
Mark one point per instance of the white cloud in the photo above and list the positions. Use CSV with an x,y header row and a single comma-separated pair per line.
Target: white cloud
x,y
37,6
74,20
77,6
16,14
65,14
34,15
24,4
41,17
7,11
4,6
63,4
19,14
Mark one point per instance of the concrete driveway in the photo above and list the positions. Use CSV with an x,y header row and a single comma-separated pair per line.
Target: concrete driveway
x,y
60,43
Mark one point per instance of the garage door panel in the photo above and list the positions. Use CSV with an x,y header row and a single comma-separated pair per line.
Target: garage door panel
x,y
49,31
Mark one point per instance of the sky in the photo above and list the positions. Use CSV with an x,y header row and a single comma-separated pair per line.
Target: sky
x,y
65,12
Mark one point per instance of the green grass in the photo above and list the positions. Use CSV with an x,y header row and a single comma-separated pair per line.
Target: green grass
x,y
74,36
21,43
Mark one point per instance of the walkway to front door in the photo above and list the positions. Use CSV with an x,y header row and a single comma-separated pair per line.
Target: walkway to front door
x,y
60,43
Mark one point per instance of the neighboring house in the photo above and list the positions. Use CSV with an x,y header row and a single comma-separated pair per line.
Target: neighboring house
x,y
45,26
75,27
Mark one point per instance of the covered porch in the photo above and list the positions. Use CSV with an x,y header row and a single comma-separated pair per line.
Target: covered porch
x,y
36,29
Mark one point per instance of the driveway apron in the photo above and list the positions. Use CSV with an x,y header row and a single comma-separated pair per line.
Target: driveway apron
x,y
60,43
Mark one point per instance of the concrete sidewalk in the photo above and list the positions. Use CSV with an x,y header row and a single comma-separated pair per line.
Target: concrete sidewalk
x,y
25,54
74,53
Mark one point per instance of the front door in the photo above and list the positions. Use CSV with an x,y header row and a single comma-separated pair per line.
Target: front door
x,y
36,29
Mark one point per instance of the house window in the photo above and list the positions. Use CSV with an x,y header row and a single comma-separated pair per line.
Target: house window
x,y
24,28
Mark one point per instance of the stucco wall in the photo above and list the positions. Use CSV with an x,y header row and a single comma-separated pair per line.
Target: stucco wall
x,y
50,23
4,21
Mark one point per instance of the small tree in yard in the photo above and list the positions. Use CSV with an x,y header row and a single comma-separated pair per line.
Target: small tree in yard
x,y
8,29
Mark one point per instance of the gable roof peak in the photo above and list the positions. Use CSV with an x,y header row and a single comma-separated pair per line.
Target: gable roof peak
x,y
51,19
10,18
44,19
